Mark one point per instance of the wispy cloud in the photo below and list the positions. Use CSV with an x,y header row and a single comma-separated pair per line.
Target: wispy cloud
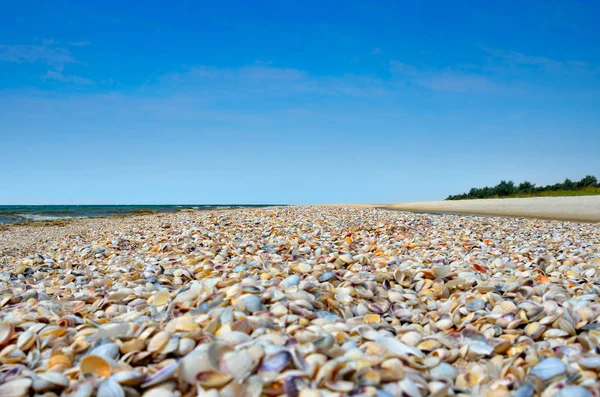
x,y
264,78
45,53
515,59
58,76
450,80
79,43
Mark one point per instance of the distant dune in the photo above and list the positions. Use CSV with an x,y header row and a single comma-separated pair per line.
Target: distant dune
x,y
580,208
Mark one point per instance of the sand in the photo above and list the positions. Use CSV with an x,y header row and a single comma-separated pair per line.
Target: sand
x,y
580,208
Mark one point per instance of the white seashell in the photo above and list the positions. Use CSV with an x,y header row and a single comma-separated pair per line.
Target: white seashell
x,y
443,371
397,348
109,388
549,368
16,388
573,391
590,363
47,381
107,350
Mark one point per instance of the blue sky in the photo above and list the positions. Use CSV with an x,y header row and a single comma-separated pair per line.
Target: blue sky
x,y
293,101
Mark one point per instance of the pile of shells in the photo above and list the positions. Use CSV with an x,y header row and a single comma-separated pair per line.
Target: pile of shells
x,y
306,301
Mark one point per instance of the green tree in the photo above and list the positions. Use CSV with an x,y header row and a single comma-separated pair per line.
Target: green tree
x,y
504,188
588,181
568,185
526,187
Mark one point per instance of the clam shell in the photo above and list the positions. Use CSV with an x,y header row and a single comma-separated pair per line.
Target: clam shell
x,y
182,324
26,340
96,365
6,333
164,374
47,381
549,368
128,378
158,341
161,298
276,362
107,350
109,388
16,388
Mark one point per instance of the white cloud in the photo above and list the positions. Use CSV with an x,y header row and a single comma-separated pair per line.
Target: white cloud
x,y
35,53
54,75
449,80
79,43
264,78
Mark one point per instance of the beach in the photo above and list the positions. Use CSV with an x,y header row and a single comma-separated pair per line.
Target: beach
x,y
306,301
578,208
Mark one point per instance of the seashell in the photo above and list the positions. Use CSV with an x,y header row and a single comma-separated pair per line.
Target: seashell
x,y
83,390
535,330
276,362
96,365
443,371
11,354
326,276
182,324
49,381
158,341
198,362
441,271
251,303
409,388
429,344
16,387
107,350
128,378
475,304
7,331
164,374
59,361
164,392
372,318
290,281
109,388
526,390
185,346
161,298
113,331
238,364
397,348
132,345
369,377
549,368
26,340
412,338
573,391
589,363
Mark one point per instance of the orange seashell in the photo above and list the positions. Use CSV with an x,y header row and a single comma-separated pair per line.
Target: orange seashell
x,y
542,279
348,240
96,365
59,362
479,268
372,318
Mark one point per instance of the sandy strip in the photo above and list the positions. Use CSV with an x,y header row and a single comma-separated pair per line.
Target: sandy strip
x,y
580,208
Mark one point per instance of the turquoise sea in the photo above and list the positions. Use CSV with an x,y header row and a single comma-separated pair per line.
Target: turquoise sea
x,y
29,213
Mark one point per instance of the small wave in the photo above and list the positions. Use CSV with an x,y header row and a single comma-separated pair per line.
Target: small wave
x,y
37,217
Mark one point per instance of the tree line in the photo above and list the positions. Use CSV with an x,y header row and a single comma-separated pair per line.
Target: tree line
x,y
509,188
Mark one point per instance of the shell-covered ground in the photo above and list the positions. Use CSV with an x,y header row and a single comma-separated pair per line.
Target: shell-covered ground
x,y
305,301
